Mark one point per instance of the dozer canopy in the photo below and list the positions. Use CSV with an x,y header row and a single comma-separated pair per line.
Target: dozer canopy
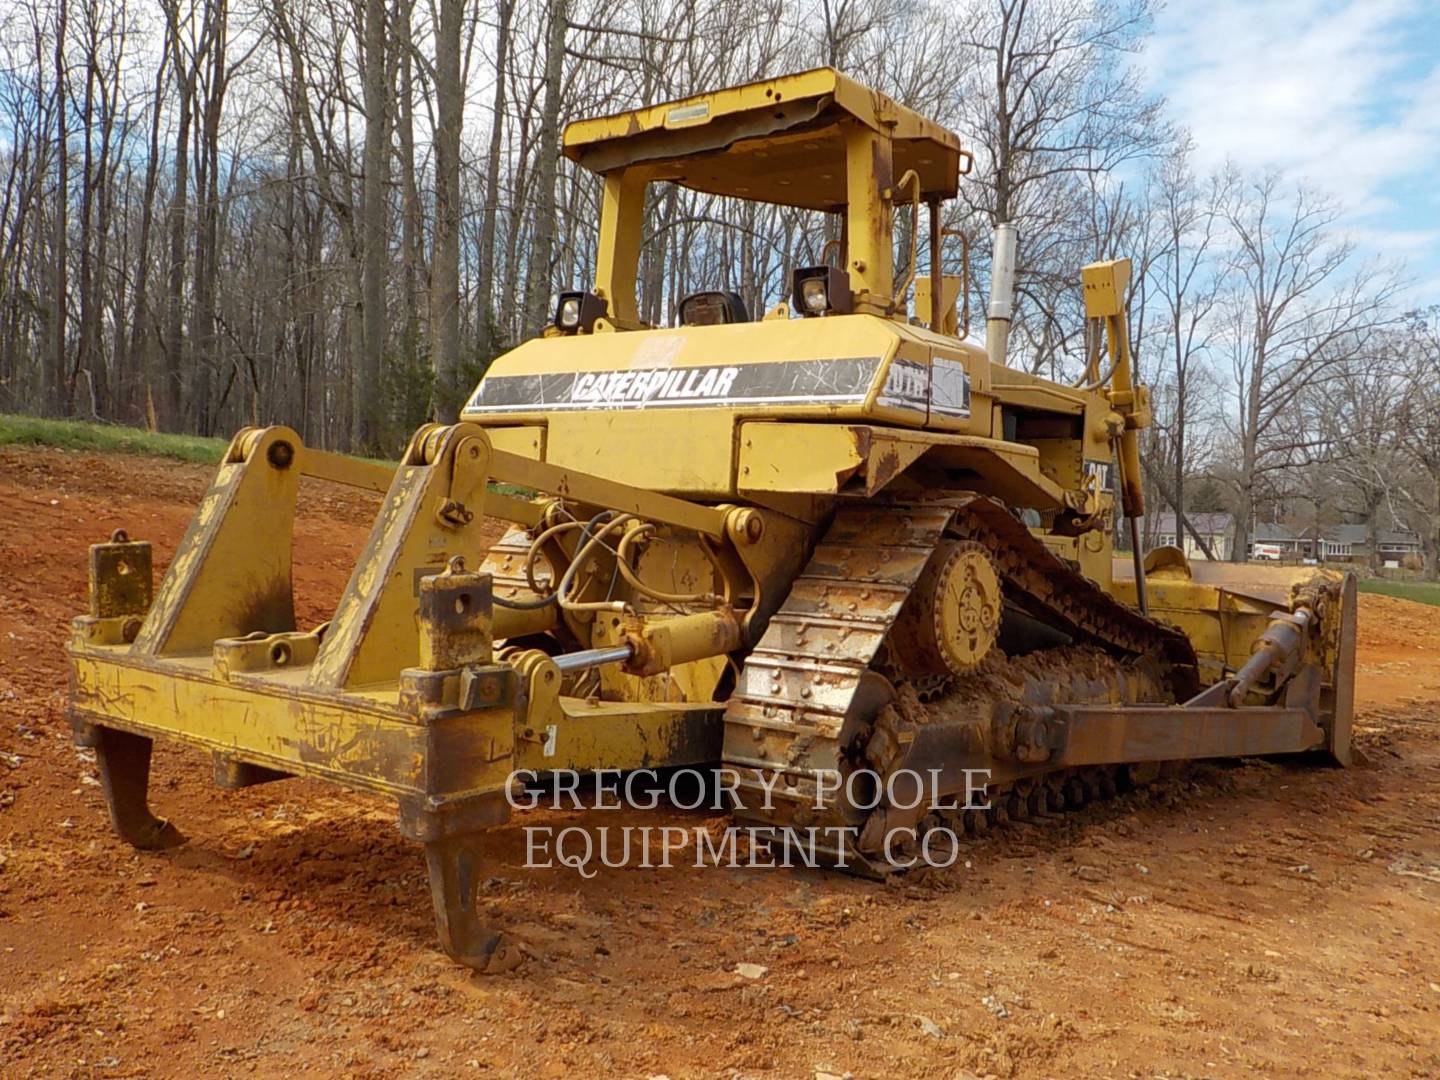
x,y
779,141
816,140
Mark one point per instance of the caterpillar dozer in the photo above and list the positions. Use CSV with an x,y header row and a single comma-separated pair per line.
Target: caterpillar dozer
x,y
839,539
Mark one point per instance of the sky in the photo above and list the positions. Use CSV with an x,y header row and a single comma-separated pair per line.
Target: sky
x,y
1342,93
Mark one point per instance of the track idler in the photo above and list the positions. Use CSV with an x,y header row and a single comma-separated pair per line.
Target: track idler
x,y
952,617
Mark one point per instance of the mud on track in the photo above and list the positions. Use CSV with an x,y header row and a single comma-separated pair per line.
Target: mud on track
x,y
1253,918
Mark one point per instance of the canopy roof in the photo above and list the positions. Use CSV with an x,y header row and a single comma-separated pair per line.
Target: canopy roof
x,y
780,141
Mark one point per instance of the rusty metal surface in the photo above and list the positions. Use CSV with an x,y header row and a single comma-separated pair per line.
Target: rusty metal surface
x,y
1045,586
121,578
808,664
796,711
123,759
456,866
1105,736
1342,702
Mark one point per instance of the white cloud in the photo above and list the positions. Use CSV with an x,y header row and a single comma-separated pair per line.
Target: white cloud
x,y
1343,93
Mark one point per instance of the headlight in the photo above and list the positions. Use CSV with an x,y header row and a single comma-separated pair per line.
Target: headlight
x,y
577,311
569,316
712,309
820,290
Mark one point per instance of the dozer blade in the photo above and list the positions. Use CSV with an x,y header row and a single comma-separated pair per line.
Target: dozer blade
x,y
1224,608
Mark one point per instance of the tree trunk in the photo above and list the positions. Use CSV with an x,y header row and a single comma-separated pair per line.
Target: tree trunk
x,y
411,224
488,322
207,234
365,378
445,262
1432,557
171,398
62,224
1244,511
138,361
89,313
547,155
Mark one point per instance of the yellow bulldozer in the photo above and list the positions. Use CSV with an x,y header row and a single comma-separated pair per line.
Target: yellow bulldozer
x,y
839,540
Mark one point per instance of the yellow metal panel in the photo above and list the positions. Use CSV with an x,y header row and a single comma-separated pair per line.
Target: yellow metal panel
x,y
569,369
343,469
680,451
755,141
274,722
864,104
527,441
515,510
869,244
823,458
949,295
622,212
1104,284
622,735
1036,393
231,573
798,457
611,490
698,346
1221,623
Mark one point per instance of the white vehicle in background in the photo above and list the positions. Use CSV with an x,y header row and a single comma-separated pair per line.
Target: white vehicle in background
x,y
1266,552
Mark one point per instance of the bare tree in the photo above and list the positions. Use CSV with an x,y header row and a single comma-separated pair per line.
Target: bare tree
x,y
208,209
1353,417
1418,424
374,227
1050,99
486,315
1182,287
445,260
1294,315
542,248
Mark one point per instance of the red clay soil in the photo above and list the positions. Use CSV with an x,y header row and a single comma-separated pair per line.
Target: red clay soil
x,y
1257,918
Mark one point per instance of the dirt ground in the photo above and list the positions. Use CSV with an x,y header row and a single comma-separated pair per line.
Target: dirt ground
x,y
1256,918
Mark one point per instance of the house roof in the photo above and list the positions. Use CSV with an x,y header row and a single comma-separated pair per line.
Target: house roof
x,y
1346,534
1273,530
1343,533
1216,523
1399,536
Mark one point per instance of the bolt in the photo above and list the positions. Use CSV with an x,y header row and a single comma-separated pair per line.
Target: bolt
x,y
280,454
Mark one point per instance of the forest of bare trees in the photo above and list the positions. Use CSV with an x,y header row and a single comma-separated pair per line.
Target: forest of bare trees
x,y
334,214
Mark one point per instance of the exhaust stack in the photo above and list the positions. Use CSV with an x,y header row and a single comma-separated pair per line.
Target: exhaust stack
x,y
1002,292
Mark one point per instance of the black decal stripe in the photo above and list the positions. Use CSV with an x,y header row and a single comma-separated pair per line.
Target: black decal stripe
x,y
786,382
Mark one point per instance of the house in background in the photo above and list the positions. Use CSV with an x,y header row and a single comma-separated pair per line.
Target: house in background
x,y
1342,543
1294,544
1399,547
1217,528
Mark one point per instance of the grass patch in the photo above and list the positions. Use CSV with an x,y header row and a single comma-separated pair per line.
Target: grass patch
x,y
1422,592
108,438
117,439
